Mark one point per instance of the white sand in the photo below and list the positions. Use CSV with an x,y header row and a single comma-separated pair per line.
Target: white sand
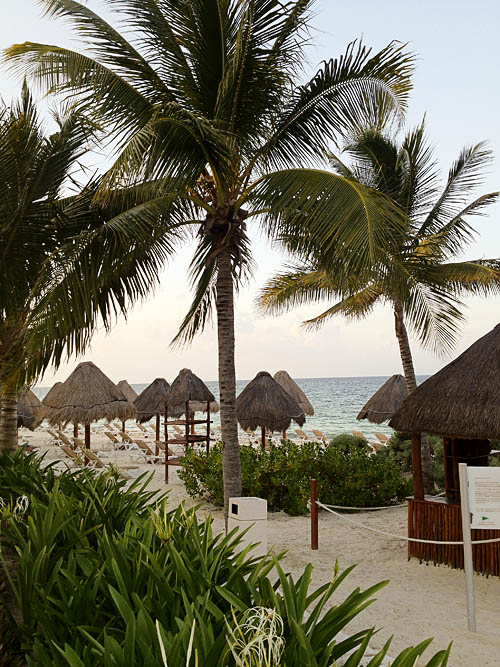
x,y
420,601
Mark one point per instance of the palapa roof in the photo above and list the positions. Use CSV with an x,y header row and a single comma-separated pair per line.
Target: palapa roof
x,y
30,411
265,403
385,401
462,399
128,391
52,392
189,387
151,401
290,386
86,396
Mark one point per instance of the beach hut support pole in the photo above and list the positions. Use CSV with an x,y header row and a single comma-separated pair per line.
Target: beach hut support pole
x,y
314,515
123,427
284,435
416,459
263,438
208,428
166,444
87,440
468,564
187,427
157,449
75,430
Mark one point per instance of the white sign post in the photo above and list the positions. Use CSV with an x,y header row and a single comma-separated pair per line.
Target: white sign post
x,y
480,495
466,532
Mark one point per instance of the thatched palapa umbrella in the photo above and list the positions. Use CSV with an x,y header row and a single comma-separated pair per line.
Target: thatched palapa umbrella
x,y
50,395
189,387
86,396
30,411
461,401
385,401
292,388
151,403
129,393
265,403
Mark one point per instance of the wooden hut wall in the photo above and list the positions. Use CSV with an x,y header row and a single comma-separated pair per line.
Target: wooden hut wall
x,y
440,520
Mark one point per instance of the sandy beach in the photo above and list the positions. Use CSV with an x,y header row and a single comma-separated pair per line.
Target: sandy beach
x,y
419,602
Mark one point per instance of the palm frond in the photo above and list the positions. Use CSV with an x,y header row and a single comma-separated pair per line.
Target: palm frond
x,y
355,306
350,92
465,175
313,209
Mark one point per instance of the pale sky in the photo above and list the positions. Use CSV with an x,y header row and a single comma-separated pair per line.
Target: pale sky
x,y
456,84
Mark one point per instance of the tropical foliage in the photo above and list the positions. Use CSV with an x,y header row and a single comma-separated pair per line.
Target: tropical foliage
x,y
419,277
212,123
98,575
346,471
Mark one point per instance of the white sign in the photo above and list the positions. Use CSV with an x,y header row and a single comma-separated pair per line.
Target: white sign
x,y
484,496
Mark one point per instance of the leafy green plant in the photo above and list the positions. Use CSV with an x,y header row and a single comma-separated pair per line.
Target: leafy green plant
x,y
347,474
399,449
104,576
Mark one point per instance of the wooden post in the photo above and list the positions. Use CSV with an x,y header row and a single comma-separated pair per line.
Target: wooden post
x,y
157,449
75,430
283,435
314,515
187,427
123,427
416,459
208,428
87,440
263,438
166,444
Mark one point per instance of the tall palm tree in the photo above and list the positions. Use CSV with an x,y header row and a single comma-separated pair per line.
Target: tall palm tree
x,y
38,227
421,281
205,105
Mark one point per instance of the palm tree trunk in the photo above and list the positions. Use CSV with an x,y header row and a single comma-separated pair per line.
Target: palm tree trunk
x,y
231,467
411,385
8,420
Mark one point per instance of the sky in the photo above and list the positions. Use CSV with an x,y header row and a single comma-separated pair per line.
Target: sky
x,y
455,85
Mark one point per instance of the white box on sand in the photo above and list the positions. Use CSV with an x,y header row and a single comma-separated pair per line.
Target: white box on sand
x,y
249,513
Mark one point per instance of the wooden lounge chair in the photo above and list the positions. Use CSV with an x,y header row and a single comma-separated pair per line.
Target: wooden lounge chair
x,y
358,434
65,440
319,435
302,434
383,438
112,437
141,427
147,452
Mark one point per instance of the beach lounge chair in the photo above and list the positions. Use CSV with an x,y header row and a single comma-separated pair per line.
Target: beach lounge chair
x,y
302,434
65,440
147,452
319,435
141,428
112,437
383,438
358,434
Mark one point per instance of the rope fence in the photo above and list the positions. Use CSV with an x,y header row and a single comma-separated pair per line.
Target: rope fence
x,y
315,503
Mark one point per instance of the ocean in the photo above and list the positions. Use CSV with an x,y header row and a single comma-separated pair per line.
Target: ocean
x,y
336,403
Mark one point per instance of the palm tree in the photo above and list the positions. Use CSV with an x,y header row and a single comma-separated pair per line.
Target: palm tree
x,y
421,281
44,306
204,105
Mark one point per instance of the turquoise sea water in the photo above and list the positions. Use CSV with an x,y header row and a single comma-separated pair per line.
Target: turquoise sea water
x,y
336,402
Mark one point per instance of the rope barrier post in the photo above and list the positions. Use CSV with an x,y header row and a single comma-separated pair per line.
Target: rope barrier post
x,y
468,564
314,515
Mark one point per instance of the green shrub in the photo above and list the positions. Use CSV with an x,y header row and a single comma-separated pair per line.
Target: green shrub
x,y
347,475
103,578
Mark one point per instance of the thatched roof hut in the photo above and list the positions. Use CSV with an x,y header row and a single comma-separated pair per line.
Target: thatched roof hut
x,y
52,392
86,396
265,403
462,399
292,388
189,387
151,401
385,401
30,411
128,391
